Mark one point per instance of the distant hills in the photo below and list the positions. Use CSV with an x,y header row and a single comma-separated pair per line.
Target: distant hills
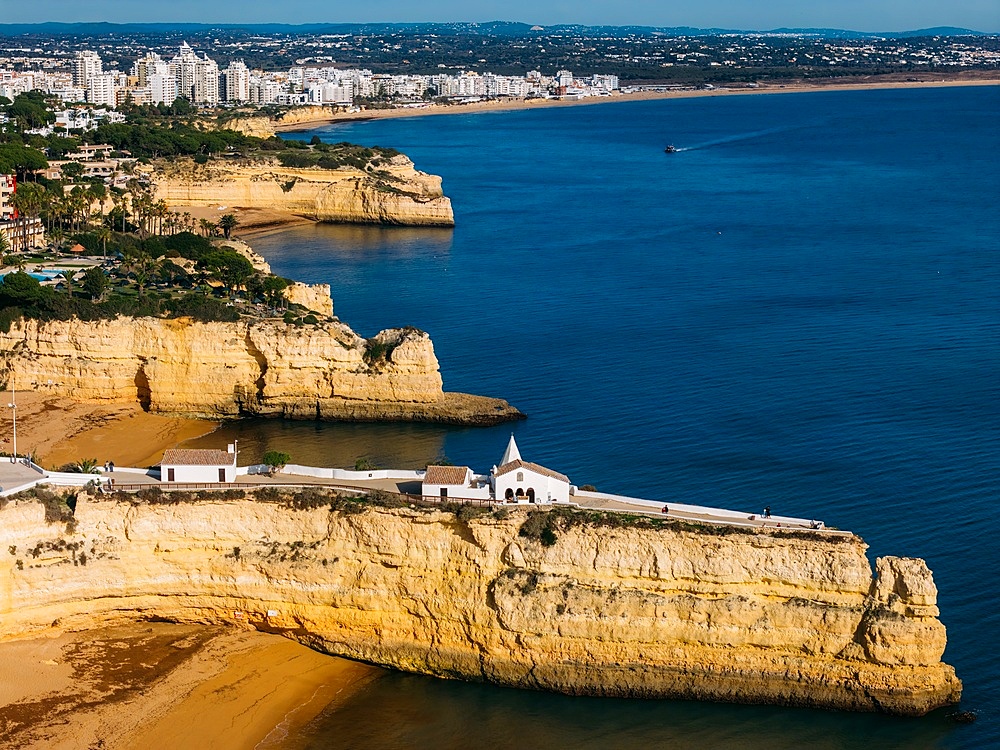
x,y
490,28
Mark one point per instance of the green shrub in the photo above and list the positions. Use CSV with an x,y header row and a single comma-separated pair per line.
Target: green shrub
x,y
467,512
276,459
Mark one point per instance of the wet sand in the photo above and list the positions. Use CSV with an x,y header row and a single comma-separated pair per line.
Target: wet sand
x,y
57,431
519,104
165,685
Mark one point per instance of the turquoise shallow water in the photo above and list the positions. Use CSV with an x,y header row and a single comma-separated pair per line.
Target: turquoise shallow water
x,y
801,308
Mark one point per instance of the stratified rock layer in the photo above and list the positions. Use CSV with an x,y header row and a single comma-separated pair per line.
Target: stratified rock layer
x,y
263,368
401,195
745,617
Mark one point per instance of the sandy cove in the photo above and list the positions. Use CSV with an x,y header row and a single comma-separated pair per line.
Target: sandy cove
x,y
57,431
164,685
521,104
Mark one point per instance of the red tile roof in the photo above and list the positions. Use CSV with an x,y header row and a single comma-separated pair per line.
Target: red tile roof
x,y
197,457
519,464
446,475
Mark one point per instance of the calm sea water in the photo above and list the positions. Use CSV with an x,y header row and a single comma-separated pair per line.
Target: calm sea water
x,y
800,308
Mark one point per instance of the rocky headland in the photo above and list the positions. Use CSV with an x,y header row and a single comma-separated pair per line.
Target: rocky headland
x,y
251,367
638,608
395,193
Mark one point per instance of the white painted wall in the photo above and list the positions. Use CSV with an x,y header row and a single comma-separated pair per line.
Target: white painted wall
x,y
547,489
197,474
345,475
457,492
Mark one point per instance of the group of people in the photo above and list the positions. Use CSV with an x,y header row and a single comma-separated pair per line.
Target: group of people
x,y
109,486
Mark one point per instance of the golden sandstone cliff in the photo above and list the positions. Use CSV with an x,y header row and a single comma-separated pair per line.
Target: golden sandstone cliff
x,y
262,126
346,195
263,368
625,611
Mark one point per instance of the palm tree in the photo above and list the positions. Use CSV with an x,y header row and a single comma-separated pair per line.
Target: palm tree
x,y
141,267
28,203
104,234
68,276
207,227
160,211
227,223
56,236
100,194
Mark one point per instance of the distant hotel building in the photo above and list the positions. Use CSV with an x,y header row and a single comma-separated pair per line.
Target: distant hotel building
x,y
197,77
86,65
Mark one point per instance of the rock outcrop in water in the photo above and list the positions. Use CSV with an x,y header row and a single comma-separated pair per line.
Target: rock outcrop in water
x,y
261,368
400,195
644,611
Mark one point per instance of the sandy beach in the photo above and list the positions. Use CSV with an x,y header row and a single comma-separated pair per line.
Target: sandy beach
x,y
253,222
57,431
166,686
520,104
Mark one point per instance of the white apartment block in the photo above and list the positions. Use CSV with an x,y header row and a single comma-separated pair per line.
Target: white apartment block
x,y
8,186
197,77
86,65
101,90
237,83
162,88
150,65
69,93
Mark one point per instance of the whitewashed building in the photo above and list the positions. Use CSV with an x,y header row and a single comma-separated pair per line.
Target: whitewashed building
x,y
519,481
453,483
198,466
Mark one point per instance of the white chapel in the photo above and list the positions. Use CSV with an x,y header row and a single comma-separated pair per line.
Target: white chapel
x,y
519,481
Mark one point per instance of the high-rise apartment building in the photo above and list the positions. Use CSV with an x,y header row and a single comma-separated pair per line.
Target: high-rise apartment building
x,y
101,90
86,65
236,83
197,77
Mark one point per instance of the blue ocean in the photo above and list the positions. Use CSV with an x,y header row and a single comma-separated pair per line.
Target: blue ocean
x,y
799,308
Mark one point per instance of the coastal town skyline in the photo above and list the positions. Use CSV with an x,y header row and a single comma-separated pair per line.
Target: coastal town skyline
x,y
978,15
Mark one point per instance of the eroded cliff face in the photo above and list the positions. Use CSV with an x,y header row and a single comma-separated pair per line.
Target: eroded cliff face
x,y
347,195
603,611
264,368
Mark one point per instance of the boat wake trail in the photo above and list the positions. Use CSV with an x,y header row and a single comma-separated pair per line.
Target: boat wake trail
x,y
742,137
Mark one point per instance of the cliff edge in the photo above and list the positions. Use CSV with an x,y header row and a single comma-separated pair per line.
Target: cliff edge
x,y
643,610
249,368
395,193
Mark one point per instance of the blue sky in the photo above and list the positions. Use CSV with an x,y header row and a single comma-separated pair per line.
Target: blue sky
x,y
861,15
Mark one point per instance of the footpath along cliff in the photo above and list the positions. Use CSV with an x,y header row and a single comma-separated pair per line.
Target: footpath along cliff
x,y
394,193
640,608
251,367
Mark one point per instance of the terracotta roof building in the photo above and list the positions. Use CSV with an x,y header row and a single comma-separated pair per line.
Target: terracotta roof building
x,y
453,483
198,466
518,481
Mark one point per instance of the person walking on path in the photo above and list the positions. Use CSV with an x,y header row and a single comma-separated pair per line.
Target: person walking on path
x,y
767,511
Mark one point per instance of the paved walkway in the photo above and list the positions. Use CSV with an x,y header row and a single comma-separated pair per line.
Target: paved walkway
x,y
14,475
701,515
